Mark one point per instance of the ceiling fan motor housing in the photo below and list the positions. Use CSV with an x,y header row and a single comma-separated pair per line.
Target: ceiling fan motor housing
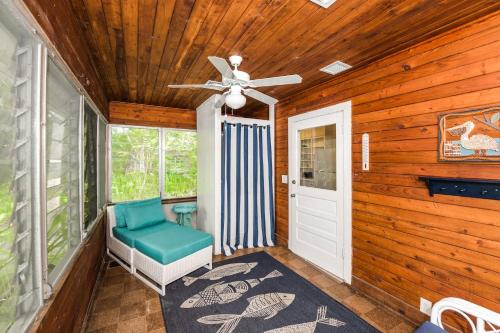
x,y
235,60
240,75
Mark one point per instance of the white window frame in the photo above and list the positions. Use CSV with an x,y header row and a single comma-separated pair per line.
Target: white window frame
x,y
84,233
36,230
43,48
161,156
59,271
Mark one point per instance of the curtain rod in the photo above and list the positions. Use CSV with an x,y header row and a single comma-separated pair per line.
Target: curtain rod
x,y
243,125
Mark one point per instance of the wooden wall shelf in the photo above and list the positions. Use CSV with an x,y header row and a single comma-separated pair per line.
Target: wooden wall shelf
x,y
473,188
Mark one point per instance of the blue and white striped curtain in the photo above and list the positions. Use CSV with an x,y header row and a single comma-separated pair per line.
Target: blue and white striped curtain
x,y
247,203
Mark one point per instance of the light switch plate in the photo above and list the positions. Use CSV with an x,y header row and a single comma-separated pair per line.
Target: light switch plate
x,y
284,179
425,306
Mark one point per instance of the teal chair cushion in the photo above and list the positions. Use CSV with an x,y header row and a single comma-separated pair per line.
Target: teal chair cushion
x,y
172,243
120,210
129,237
144,215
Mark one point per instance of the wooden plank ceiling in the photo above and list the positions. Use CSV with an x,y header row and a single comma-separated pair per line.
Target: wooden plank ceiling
x,y
142,46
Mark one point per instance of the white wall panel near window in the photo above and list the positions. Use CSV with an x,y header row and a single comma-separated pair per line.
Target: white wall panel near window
x,y
20,269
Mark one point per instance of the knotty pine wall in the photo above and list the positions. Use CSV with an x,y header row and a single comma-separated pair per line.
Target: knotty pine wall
x,y
407,244
150,115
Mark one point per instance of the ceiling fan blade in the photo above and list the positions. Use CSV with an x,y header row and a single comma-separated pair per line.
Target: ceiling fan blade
x,y
260,96
222,66
276,81
197,86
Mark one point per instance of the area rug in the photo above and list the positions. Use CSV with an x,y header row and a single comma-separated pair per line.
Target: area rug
x,y
253,293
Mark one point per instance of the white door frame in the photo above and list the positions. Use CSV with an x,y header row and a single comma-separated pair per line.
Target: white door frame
x,y
346,109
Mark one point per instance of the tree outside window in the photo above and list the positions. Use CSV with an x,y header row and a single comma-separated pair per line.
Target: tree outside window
x,y
180,149
134,163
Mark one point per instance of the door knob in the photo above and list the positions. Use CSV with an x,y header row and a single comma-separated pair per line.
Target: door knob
x,y
293,181
292,195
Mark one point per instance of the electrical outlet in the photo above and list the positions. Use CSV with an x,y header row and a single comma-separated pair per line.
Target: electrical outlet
x,y
425,306
284,179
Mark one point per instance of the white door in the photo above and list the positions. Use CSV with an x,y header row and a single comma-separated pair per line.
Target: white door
x,y
317,188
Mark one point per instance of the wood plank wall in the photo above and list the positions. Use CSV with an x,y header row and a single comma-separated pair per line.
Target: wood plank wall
x,y
62,28
149,115
66,310
406,243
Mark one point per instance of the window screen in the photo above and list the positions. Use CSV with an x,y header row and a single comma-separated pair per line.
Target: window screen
x,y
134,162
19,282
89,166
180,163
62,163
101,167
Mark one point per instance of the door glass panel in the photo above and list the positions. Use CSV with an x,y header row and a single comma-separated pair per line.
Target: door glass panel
x,y
318,157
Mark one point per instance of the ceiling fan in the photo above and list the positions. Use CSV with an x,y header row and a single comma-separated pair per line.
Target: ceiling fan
x,y
238,83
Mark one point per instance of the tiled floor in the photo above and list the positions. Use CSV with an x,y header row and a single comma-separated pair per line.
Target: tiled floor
x,y
124,304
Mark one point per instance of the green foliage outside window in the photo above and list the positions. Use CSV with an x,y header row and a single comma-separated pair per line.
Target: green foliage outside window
x,y
180,163
8,287
135,163
7,259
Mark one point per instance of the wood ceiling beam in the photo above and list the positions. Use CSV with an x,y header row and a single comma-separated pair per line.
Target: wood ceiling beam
x,y
150,115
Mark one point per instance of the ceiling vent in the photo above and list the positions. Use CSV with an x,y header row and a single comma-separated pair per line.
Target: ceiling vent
x,y
324,3
335,68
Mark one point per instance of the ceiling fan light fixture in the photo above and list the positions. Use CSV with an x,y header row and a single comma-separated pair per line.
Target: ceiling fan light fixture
x,y
235,99
235,102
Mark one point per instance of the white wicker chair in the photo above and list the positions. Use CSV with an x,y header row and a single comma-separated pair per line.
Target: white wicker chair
x,y
151,272
487,321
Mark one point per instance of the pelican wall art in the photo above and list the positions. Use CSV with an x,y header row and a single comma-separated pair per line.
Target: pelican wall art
x,y
470,136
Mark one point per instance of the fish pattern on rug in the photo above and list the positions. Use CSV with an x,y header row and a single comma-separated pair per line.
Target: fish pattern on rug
x,y
221,293
310,327
221,272
236,303
265,305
